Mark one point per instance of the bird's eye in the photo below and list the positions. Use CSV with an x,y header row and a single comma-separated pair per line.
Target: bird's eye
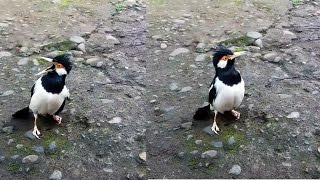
x,y
59,66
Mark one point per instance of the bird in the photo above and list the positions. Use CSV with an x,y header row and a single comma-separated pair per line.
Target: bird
x,y
227,88
49,92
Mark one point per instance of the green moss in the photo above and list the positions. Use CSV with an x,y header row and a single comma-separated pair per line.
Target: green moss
x,y
237,135
193,163
295,2
241,41
61,46
118,7
13,167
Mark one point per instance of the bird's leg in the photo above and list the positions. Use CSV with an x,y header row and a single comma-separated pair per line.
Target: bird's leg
x,y
215,127
57,118
35,131
236,114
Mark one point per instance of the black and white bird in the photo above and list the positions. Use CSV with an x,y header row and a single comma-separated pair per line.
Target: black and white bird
x,y
49,92
227,88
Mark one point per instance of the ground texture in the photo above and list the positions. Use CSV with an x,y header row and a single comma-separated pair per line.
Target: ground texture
x,y
140,72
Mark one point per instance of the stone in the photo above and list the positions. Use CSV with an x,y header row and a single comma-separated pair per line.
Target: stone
x,y
179,21
29,135
112,40
92,61
163,46
30,159
209,154
235,170
185,89
270,56
201,57
38,149
198,142
35,62
4,25
2,158
56,175
19,146
7,93
115,120
107,101
258,43
157,37
179,51
143,156
285,96
23,61
217,144
77,39
254,35
5,54
107,170
14,157
186,125
8,129
173,86
200,47
231,141
181,154
81,47
55,1
129,3
293,115
194,152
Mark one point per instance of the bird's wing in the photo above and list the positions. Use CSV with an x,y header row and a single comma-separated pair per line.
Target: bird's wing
x,y
212,92
32,89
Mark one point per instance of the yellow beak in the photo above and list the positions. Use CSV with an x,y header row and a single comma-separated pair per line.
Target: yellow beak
x,y
237,54
48,69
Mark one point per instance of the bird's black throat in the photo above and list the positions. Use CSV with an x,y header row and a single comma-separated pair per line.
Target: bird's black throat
x,y
53,83
228,75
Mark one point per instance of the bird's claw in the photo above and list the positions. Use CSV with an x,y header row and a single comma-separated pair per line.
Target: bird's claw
x,y
215,128
36,132
57,118
236,114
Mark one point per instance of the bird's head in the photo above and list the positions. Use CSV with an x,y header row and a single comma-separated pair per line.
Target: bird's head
x,y
223,57
61,64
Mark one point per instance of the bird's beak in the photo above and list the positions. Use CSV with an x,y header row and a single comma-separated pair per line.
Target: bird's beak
x,y
237,54
48,69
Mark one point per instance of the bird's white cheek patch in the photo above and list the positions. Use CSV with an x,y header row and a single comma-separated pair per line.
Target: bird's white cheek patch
x,y
61,71
222,64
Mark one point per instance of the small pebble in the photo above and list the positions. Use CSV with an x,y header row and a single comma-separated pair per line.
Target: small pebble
x,y
56,175
235,170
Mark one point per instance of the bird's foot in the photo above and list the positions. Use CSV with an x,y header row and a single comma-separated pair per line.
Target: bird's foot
x,y
215,128
36,132
236,114
57,118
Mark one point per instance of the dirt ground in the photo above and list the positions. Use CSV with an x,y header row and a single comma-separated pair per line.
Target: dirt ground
x,y
133,99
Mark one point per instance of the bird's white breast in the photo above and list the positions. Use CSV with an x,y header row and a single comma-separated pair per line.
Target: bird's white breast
x,y
228,97
43,102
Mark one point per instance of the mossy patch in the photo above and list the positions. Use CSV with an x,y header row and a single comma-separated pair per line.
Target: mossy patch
x,y
238,136
60,46
240,42
13,167
118,7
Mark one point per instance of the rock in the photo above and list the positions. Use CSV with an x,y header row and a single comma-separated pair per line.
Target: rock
x,y
258,43
10,141
38,149
81,47
115,120
5,54
173,86
2,158
208,130
235,170
194,152
7,93
254,35
201,57
181,154
14,157
209,154
29,135
107,170
198,142
293,115
185,89
77,39
19,146
179,21
143,156
179,51
186,125
93,61
30,159
24,51
23,61
129,3
8,129
112,40
56,175
4,25
231,141
189,137
270,56
55,1
157,37
107,101
285,96
35,62
200,47
163,46
217,144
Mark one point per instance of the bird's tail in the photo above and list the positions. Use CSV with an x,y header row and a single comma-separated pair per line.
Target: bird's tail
x,y
23,113
202,113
